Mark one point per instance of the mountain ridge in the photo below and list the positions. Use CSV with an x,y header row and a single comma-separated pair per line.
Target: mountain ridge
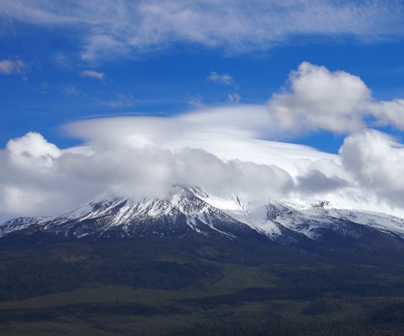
x,y
193,209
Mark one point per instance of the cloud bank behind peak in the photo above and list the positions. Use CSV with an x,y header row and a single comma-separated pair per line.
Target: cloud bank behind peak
x,y
227,149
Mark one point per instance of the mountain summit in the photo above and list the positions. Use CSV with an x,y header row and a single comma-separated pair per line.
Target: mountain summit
x,y
192,210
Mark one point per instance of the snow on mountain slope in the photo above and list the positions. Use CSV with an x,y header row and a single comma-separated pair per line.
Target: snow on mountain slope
x,y
247,211
192,209
306,219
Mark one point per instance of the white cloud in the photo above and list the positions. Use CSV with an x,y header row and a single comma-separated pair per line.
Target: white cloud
x,y
220,149
316,182
234,136
225,79
32,150
334,101
121,27
31,182
92,74
226,149
9,66
375,162
320,99
143,156
390,113
200,128
152,171
133,156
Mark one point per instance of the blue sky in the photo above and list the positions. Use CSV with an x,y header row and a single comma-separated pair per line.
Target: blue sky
x,y
171,74
322,70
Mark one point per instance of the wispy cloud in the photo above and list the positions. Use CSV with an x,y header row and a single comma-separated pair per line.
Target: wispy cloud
x,y
124,27
196,102
16,67
225,79
92,74
121,101
234,98
70,90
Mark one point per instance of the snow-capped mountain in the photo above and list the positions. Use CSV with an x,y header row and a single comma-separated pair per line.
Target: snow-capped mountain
x,y
193,210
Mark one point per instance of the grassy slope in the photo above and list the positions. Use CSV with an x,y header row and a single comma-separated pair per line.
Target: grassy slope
x,y
157,286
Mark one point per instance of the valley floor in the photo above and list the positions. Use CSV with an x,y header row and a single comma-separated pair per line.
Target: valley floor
x,y
245,311
200,286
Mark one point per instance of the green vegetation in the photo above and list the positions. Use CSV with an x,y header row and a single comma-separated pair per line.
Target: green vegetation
x,y
198,285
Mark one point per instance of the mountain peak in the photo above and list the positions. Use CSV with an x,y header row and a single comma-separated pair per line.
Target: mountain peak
x,y
191,209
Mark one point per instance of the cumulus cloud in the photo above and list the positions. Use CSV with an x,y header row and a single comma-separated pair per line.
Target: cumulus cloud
x,y
375,161
32,150
122,27
92,74
31,182
318,99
